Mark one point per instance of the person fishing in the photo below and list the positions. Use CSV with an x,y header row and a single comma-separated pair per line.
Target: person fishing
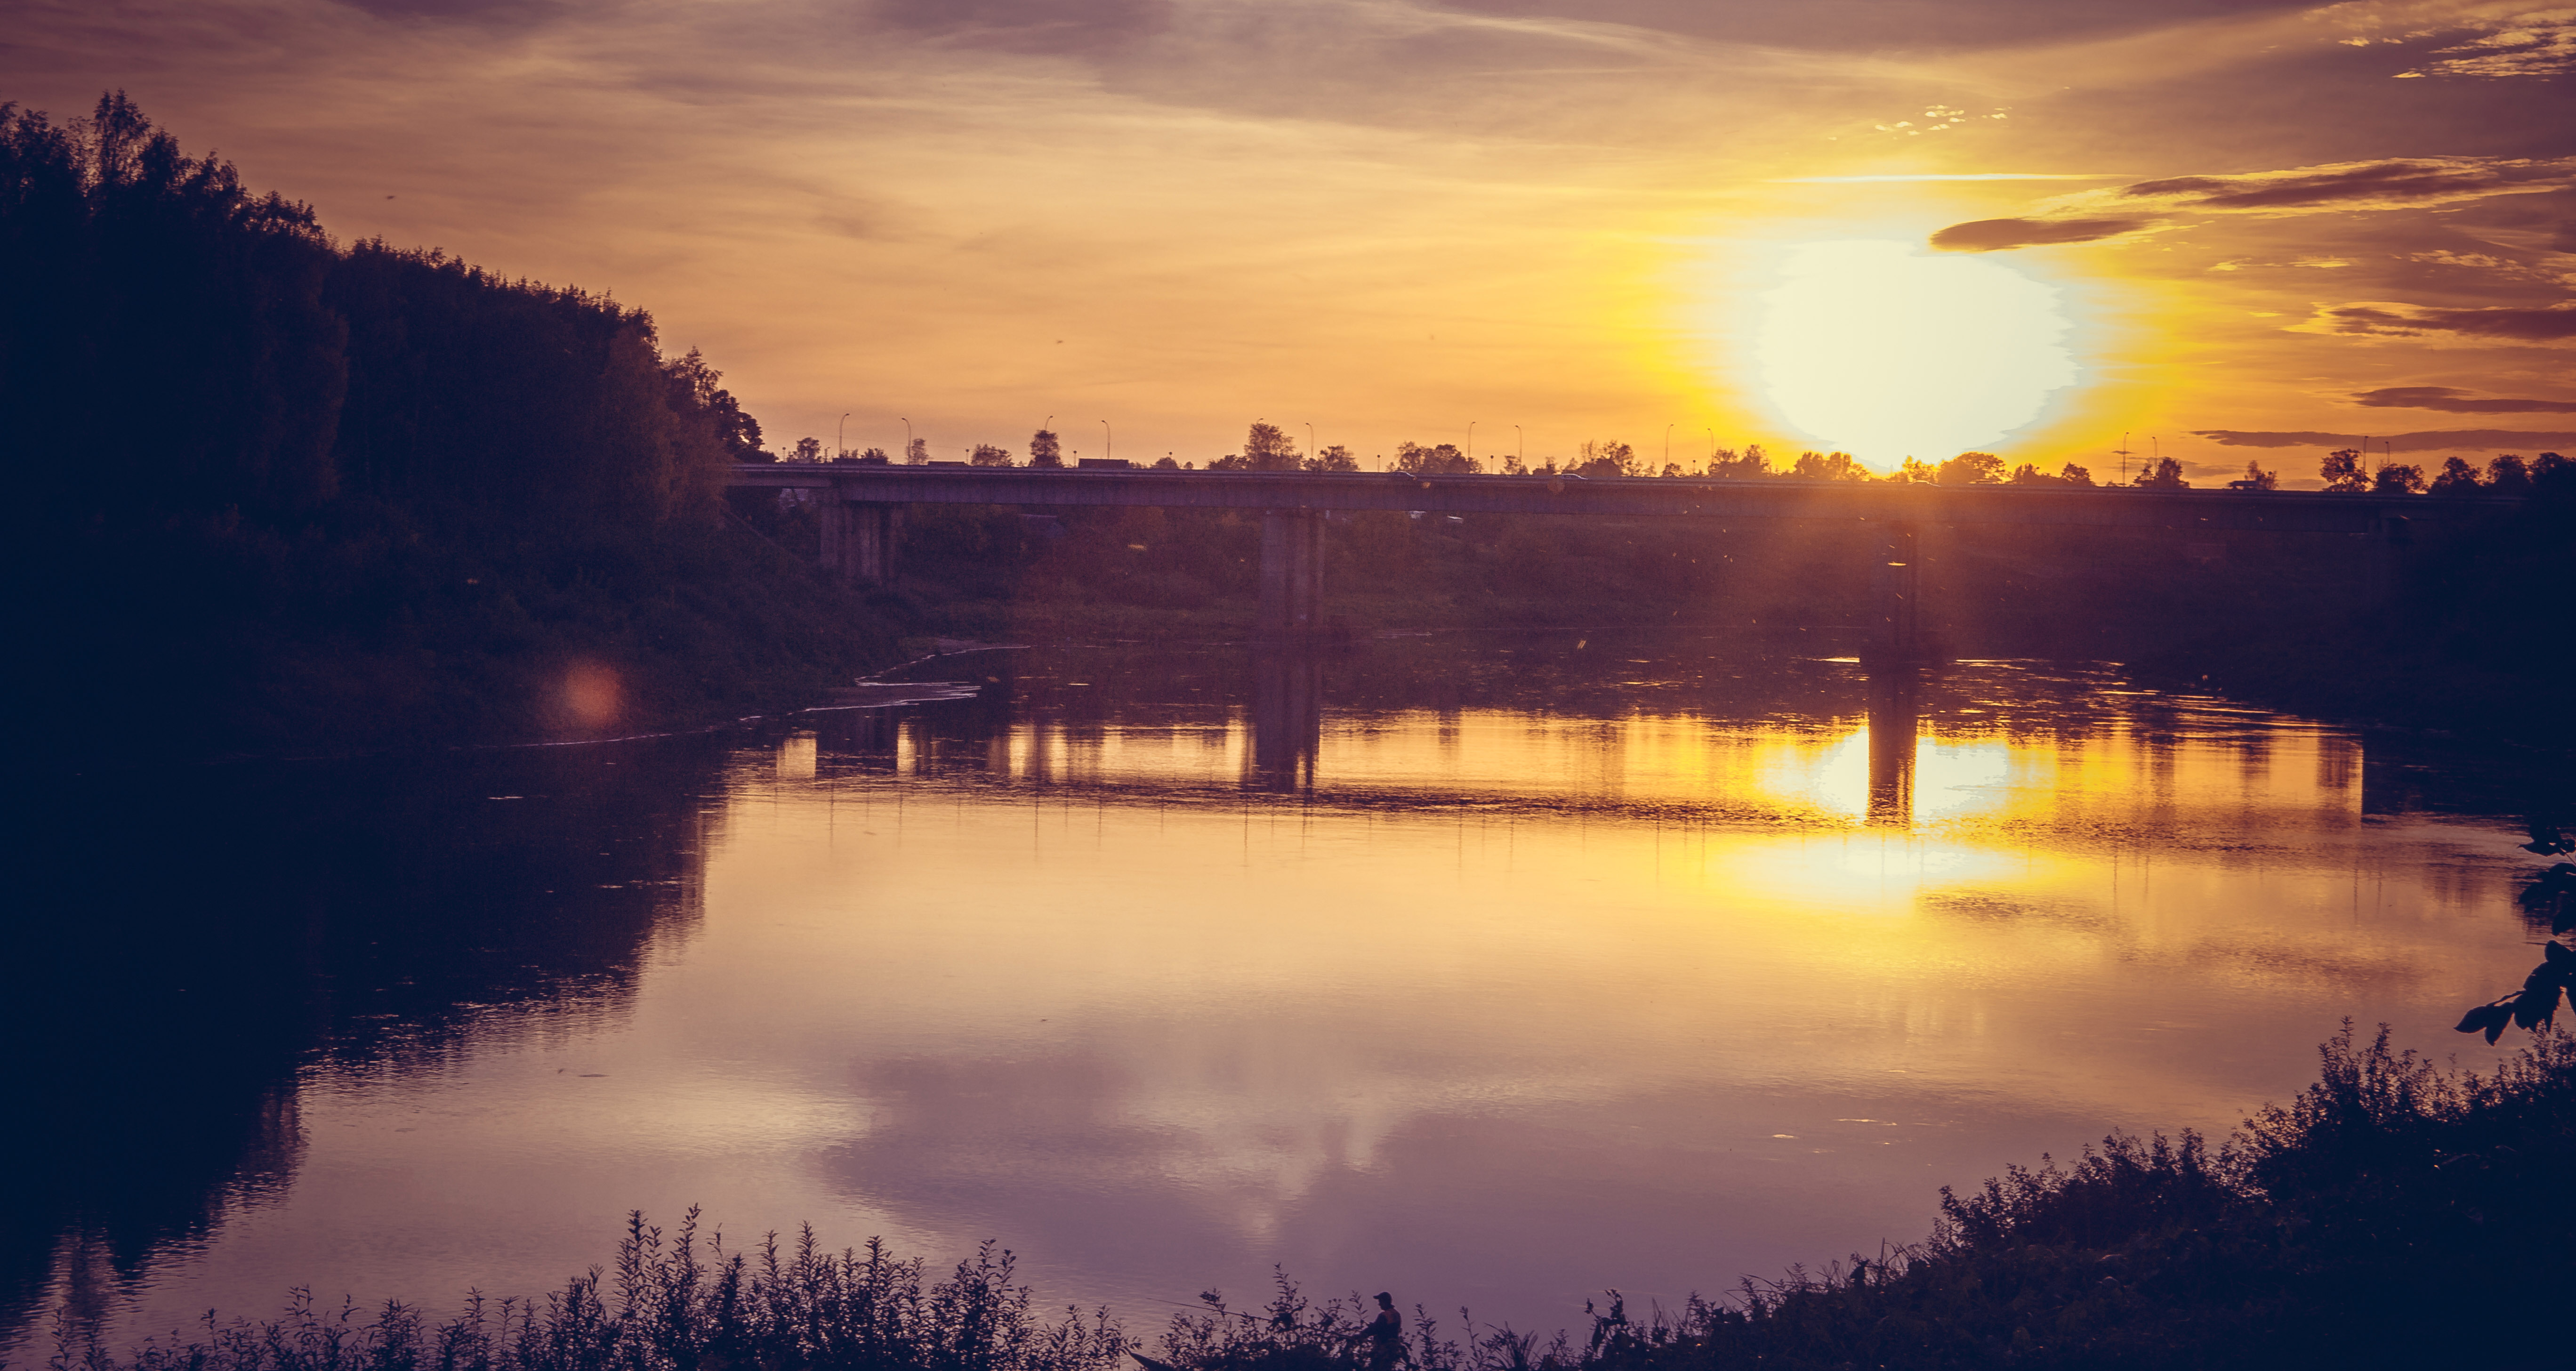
x,y
1385,1335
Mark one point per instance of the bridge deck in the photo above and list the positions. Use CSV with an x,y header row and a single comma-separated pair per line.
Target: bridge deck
x,y
2113,506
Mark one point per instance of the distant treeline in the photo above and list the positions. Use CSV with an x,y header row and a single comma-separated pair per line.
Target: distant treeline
x,y
281,491
1267,447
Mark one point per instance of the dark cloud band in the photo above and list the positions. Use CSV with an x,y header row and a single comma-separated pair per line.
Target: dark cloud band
x,y
1996,235
2452,400
2496,438
2506,324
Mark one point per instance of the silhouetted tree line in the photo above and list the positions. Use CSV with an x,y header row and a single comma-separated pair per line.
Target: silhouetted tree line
x,y
270,481
176,341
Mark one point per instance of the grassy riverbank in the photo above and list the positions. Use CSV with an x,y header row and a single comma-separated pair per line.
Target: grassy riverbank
x,y
2393,1215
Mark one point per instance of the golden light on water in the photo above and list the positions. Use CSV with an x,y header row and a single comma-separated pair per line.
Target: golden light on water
x,y
1886,351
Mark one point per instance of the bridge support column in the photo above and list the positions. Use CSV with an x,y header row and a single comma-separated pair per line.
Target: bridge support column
x,y
1292,573
1894,717
1896,600
858,540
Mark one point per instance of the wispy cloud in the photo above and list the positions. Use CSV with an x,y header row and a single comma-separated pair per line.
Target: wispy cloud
x,y
1929,176
2452,400
2492,439
2376,319
1997,235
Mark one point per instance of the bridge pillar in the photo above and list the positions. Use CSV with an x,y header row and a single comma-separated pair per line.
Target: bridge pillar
x,y
1896,599
1292,573
858,545
1894,717
1287,719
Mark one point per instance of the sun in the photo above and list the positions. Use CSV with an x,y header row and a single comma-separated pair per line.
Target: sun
x,y
1887,351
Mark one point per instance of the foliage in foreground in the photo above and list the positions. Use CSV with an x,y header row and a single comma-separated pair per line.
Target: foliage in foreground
x,y
2394,1214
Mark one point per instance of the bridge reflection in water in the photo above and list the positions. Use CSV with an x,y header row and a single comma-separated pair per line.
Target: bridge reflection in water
x,y
1270,742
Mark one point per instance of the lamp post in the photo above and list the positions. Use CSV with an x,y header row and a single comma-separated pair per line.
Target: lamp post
x,y
841,435
1310,440
1107,451
907,440
1471,440
1520,448
1668,446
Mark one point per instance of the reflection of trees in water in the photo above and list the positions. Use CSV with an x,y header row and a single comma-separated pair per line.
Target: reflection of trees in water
x,y
196,944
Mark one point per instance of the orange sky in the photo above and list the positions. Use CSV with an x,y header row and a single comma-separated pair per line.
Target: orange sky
x,y
2264,224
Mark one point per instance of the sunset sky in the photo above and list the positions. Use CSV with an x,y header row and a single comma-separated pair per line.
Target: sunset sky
x,y
2228,228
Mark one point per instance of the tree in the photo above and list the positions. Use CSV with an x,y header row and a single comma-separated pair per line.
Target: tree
x,y
807,450
875,456
1971,469
2074,475
694,388
2457,478
1914,472
1266,448
2166,474
1602,460
917,451
2256,478
1828,466
2398,478
1443,460
2342,470
2509,475
1334,458
1727,464
987,455
1045,450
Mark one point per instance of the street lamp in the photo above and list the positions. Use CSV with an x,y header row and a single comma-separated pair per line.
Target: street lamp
x,y
841,435
907,440
1310,440
1471,440
1107,452
1520,448
1668,445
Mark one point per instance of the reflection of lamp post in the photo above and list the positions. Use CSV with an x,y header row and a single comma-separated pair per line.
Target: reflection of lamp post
x,y
1107,452
841,436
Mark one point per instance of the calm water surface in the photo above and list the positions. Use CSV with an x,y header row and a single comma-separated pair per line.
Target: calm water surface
x,y
1490,972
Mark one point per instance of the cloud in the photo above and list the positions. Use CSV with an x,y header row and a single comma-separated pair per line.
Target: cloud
x,y
2403,182
2507,439
2536,43
1034,26
2381,320
1995,235
2342,187
2451,400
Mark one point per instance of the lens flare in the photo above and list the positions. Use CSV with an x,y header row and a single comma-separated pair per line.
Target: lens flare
x,y
1888,352
593,696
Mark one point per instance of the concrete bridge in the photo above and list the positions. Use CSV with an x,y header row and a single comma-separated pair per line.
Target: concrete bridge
x,y
861,507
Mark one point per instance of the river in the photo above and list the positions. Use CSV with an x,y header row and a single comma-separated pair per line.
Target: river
x,y
1495,971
